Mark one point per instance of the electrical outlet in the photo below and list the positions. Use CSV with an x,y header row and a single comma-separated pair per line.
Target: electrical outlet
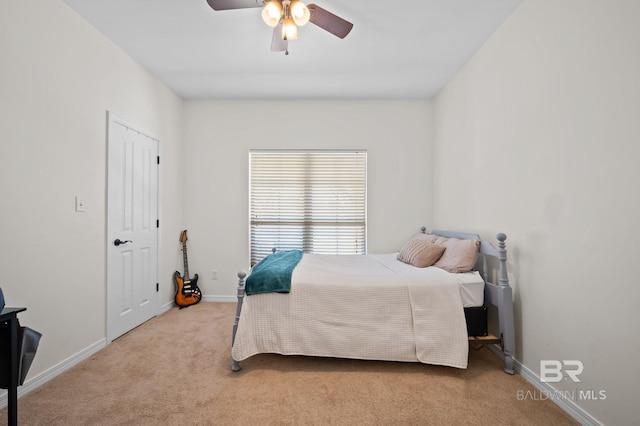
x,y
214,274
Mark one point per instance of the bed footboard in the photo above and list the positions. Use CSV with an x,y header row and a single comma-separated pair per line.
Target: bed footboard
x,y
242,275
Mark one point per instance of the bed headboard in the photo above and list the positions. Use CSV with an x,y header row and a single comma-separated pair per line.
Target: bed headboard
x,y
489,258
492,265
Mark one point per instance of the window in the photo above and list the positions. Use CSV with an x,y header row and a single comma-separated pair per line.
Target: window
x,y
314,201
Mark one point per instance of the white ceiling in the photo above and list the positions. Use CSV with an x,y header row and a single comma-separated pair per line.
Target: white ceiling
x,y
396,50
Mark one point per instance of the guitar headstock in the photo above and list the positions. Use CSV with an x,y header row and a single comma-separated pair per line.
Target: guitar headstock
x,y
183,237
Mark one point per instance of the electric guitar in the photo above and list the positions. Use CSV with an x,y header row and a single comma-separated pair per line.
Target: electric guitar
x,y
187,291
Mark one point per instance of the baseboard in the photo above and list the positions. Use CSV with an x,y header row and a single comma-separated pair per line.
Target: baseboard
x,y
166,307
42,378
566,404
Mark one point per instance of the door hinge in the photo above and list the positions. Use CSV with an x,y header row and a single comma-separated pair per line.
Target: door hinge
x,y
157,287
157,223
158,159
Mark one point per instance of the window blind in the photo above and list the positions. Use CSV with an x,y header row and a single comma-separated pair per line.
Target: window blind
x,y
314,201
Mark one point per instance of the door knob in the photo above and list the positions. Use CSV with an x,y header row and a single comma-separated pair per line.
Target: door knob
x,y
118,241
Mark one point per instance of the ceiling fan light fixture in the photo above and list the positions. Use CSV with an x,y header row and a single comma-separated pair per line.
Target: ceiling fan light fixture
x,y
272,12
285,16
289,29
300,13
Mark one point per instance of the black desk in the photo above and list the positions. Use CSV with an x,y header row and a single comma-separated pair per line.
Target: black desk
x,y
10,316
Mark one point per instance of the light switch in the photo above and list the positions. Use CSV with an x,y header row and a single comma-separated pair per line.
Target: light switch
x,y
79,204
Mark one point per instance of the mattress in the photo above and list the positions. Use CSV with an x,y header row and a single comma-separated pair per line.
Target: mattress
x,y
471,289
471,283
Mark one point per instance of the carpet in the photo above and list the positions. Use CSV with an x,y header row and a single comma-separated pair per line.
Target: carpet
x,y
175,370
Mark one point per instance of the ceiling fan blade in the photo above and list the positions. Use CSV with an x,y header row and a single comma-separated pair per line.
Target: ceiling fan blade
x,y
277,43
328,21
233,4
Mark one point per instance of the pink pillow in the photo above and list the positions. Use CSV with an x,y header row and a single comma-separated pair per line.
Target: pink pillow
x,y
459,256
420,252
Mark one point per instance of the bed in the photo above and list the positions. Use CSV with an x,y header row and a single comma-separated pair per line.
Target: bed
x,y
379,306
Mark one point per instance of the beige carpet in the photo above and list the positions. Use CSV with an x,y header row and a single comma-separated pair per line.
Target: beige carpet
x,y
175,370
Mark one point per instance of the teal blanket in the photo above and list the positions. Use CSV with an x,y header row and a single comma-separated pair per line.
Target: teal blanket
x,y
273,273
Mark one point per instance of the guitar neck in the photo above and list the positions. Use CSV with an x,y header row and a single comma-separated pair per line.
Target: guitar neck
x,y
186,262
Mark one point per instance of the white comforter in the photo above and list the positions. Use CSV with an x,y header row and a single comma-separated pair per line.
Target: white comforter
x,y
364,307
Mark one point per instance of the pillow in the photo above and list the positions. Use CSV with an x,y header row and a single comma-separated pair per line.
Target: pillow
x,y
459,256
420,252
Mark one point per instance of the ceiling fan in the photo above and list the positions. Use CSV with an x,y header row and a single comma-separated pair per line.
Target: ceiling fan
x,y
285,16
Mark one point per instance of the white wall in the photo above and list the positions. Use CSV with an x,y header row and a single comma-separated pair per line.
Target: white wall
x,y
537,137
219,134
58,78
